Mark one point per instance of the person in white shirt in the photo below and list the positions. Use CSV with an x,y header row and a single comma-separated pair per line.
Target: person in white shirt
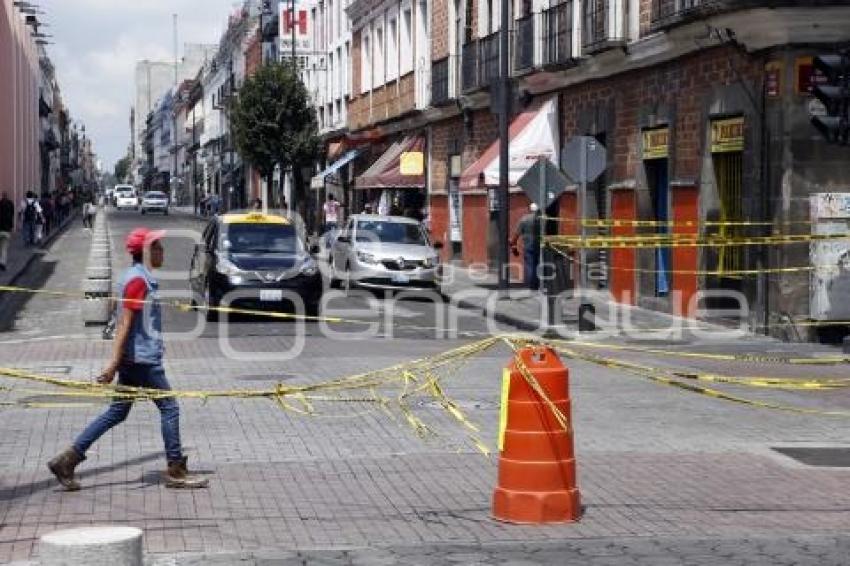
x,y
331,210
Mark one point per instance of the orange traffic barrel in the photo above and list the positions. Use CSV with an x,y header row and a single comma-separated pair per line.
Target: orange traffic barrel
x,y
537,466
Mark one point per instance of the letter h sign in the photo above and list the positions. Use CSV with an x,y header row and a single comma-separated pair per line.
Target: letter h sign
x,y
302,22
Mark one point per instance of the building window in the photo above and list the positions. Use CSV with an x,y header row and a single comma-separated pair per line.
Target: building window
x,y
379,58
347,81
366,70
406,47
469,33
392,50
331,86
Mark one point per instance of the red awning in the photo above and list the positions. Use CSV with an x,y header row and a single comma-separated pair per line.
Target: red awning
x,y
385,173
525,147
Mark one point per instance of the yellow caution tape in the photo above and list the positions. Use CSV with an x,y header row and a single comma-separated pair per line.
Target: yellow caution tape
x,y
613,223
707,273
750,358
661,376
503,407
686,241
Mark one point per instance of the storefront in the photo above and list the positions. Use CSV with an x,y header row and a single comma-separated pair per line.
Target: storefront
x,y
395,183
533,134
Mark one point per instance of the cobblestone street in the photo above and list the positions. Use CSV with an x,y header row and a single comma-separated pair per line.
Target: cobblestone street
x,y
666,476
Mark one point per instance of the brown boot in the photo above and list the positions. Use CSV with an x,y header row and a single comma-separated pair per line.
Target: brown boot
x,y
63,466
177,476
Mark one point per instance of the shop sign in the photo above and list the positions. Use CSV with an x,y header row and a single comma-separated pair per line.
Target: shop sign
x,y
656,143
412,163
773,79
727,135
807,76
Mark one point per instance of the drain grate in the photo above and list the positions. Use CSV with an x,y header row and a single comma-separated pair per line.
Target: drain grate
x,y
822,457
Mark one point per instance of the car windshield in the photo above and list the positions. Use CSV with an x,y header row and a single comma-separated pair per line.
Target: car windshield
x,y
388,232
262,238
155,195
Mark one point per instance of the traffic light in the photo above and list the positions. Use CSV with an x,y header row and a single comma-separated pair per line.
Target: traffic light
x,y
835,96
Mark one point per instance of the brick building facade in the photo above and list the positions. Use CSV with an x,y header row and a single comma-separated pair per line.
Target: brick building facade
x,y
703,108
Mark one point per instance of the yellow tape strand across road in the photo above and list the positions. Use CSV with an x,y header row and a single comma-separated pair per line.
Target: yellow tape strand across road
x,y
663,377
612,223
686,241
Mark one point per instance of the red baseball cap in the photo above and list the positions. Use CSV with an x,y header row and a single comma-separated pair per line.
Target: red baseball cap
x,y
140,238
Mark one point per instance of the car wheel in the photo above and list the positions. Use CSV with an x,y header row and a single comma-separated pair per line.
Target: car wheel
x,y
166,213
143,212
212,316
312,309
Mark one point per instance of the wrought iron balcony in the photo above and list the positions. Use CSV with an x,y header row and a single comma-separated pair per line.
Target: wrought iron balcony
x,y
440,73
604,24
469,66
558,35
668,12
524,43
488,59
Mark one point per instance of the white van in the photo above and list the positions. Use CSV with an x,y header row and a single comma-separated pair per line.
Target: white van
x,y
126,197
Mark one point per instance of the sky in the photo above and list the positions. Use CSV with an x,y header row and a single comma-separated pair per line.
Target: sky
x,y
96,44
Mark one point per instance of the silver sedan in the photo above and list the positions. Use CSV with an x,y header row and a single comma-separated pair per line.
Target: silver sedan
x,y
385,252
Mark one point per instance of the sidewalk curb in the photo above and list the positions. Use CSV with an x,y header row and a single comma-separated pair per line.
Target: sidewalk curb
x,y
510,320
42,246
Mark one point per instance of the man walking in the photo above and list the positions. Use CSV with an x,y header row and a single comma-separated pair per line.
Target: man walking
x,y
528,230
7,225
137,359
89,211
30,214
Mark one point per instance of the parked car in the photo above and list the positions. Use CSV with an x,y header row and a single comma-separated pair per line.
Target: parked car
x,y
155,201
126,197
261,258
385,252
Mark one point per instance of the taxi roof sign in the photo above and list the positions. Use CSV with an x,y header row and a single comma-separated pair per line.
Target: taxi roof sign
x,y
253,218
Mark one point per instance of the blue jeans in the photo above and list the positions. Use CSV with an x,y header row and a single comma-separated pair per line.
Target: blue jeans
x,y
138,375
531,261
29,232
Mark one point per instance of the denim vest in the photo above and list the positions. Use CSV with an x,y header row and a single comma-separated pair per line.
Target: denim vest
x,y
144,344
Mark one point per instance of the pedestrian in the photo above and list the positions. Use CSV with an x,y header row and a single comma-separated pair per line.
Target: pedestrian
x,y
331,210
88,214
30,213
528,230
257,205
138,360
7,225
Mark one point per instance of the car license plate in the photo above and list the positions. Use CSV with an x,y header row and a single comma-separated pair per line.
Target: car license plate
x,y
271,295
401,278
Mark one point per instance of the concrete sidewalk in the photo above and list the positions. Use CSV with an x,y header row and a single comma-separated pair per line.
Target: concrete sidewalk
x,y
21,255
526,309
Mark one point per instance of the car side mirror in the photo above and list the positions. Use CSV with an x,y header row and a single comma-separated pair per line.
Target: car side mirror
x,y
438,246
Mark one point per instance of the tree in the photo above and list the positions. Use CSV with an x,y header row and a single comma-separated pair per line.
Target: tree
x,y
122,169
274,123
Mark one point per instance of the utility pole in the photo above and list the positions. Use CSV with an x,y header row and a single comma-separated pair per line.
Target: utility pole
x,y
504,147
176,62
292,30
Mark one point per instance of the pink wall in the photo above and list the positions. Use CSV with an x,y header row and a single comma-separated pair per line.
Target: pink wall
x,y
19,121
